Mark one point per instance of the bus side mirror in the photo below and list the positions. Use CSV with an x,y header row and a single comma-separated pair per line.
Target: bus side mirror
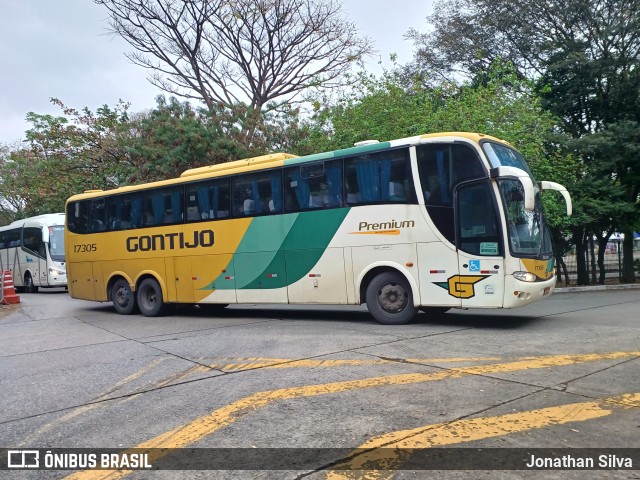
x,y
558,188
524,179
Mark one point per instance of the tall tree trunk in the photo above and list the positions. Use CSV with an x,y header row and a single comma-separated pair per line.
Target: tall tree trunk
x,y
592,250
580,241
561,268
628,275
602,249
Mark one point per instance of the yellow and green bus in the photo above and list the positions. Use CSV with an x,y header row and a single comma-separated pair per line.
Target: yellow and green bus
x,y
430,222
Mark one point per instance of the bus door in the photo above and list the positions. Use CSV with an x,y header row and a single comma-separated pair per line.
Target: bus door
x,y
480,249
35,255
183,279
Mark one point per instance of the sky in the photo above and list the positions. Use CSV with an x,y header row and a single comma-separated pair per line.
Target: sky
x,y
61,49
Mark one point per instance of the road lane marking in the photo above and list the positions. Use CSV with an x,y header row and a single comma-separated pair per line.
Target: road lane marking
x,y
390,451
238,364
201,427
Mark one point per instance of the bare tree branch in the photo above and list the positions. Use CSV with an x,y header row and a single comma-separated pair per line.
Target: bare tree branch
x,y
225,52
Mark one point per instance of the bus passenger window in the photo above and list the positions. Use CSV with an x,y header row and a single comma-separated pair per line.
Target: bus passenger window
x,y
257,194
125,211
98,215
442,166
313,186
380,177
78,216
32,241
163,206
208,200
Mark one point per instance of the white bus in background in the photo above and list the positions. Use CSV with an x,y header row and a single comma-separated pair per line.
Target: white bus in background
x,y
33,249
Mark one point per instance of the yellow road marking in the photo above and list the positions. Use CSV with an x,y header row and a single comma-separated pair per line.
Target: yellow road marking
x,y
246,364
197,429
389,451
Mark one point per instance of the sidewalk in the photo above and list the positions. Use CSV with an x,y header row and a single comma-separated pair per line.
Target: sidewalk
x,y
594,288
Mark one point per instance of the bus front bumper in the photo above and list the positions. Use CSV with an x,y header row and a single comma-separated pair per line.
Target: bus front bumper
x,y
518,293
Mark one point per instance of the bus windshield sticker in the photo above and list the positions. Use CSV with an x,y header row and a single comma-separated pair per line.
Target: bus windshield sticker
x,y
488,248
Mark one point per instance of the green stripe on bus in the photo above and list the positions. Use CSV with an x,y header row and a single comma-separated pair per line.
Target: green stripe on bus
x,y
338,153
301,249
295,243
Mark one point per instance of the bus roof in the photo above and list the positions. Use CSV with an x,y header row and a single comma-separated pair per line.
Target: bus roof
x,y
46,219
284,159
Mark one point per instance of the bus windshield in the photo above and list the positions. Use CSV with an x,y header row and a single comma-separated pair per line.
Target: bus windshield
x,y
527,230
503,156
528,233
56,243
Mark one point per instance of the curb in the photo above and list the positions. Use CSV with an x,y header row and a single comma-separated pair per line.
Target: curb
x,y
595,288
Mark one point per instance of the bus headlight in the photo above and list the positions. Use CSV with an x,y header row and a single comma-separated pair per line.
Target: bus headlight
x,y
525,276
54,272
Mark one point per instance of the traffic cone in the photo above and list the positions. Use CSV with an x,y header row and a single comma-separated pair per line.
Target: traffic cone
x,y
9,296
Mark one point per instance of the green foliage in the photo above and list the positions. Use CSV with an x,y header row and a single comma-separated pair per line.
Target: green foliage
x,y
381,108
175,137
81,150
65,155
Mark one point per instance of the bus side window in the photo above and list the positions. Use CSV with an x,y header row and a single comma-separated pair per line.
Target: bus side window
x,y
125,211
314,186
208,200
163,206
78,216
257,194
32,241
380,177
14,238
98,215
441,167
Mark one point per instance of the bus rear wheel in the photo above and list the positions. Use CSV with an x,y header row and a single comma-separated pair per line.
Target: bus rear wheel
x,y
390,299
149,297
123,299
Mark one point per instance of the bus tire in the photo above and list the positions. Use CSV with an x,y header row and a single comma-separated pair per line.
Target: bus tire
x,y
390,299
29,287
123,299
149,297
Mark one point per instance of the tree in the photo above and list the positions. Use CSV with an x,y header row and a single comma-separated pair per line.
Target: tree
x,y
383,108
174,137
109,148
584,55
241,52
616,158
65,155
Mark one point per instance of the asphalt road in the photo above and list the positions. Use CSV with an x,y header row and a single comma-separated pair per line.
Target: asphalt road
x,y
273,384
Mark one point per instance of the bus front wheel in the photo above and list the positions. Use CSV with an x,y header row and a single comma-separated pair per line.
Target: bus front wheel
x,y
29,287
123,299
150,298
390,300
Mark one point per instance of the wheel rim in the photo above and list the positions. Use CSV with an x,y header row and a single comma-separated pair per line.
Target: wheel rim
x,y
393,297
123,296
